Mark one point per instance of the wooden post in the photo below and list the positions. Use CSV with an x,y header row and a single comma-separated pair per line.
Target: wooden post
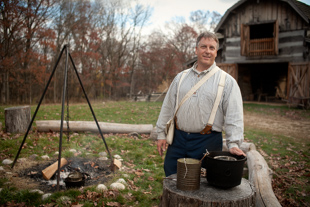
x,y
17,119
241,195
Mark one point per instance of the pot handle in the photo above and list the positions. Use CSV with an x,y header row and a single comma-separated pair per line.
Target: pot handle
x,y
86,175
228,173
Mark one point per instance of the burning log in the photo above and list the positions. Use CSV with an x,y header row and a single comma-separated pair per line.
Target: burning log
x,y
81,126
50,170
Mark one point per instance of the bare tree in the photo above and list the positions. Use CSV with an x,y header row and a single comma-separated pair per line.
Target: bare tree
x,y
22,23
11,24
140,15
105,40
204,20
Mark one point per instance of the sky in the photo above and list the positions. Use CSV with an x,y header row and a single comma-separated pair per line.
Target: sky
x,y
165,10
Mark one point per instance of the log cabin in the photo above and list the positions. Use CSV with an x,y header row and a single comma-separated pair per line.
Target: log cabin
x,y
265,45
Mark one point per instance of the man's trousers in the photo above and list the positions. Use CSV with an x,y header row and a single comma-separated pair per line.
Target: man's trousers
x,y
190,145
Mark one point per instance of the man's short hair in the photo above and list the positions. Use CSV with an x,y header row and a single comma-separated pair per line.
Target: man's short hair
x,y
208,34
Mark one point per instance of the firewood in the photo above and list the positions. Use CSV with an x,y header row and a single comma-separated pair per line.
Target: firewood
x,y
117,164
50,170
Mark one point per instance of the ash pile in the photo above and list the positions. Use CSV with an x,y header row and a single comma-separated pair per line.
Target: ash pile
x,y
94,171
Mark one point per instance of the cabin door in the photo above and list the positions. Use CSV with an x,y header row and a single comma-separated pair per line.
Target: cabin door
x,y
299,84
231,69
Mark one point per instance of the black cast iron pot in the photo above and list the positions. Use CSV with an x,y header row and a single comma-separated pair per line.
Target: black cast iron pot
x,y
224,170
76,179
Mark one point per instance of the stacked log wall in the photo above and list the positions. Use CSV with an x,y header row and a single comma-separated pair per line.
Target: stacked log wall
x,y
292,30
290,49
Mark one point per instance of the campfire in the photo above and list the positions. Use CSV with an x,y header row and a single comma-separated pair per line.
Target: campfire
x,y
75,172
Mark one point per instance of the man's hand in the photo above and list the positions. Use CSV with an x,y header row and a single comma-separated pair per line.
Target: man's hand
x,y
161,146
236,151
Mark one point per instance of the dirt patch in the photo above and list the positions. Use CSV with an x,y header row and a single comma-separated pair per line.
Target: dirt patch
x,y
28,174
290,125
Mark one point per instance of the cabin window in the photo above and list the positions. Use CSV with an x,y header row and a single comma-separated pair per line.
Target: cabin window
x,y
259,39
260,31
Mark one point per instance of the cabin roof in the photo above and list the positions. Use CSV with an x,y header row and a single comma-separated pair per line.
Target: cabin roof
x,y
301,8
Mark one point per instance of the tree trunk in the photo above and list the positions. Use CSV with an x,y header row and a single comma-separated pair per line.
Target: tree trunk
x,y
7,88
17,119
81,126
55,87
241,195
3,89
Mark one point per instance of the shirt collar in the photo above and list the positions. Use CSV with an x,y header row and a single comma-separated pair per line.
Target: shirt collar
x,y
194,68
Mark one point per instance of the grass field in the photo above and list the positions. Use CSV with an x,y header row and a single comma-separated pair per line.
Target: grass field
x,y
289,159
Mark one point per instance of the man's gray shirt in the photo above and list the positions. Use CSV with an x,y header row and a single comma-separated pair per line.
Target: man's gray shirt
x,y
194,114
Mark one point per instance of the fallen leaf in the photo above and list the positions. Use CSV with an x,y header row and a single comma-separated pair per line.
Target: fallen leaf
x,y
113,204
77,205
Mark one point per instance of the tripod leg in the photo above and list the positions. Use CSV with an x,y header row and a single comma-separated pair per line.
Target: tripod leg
x,y
35,113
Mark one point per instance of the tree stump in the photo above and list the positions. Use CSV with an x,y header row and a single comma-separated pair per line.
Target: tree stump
x,y
17,119
207,196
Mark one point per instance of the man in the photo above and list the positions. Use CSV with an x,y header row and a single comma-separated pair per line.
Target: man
x,y
194,114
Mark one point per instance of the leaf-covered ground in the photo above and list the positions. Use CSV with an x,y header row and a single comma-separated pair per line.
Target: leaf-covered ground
x,y
280,134
283,138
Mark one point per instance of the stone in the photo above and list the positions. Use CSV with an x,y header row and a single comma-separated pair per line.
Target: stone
x,y
33,157
126,175
102,158
72,150
45,157
1,168
102,187
121,180
37,191
7,162
103,154
46,196
21,160
64,200
117,186
134,134
117,157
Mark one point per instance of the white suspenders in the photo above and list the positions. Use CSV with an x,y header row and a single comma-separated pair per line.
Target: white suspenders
x,y
207,129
